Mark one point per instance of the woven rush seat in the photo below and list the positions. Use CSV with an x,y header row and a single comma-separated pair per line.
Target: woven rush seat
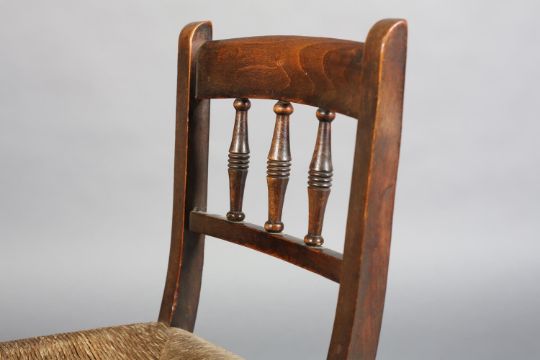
x,y
130,342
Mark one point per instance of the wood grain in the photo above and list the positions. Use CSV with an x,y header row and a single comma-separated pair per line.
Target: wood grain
x,y
320,72
369,222
319,260
320,178
364,81
278,167
183,282
238,160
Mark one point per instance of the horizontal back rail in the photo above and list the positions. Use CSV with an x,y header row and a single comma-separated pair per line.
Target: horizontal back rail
x,y
321,72
319,260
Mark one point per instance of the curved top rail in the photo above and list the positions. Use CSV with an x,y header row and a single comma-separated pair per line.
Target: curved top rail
x,y
321,72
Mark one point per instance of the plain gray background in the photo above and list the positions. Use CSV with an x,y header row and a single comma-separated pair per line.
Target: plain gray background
x,y
87,102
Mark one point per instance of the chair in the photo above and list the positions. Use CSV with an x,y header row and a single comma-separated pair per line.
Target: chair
x,y
362,80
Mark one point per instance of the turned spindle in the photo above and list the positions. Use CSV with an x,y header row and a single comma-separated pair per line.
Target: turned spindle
x,y
278,166
320,178
238,160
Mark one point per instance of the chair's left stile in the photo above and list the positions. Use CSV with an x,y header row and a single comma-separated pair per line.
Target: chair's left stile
x,y
183,283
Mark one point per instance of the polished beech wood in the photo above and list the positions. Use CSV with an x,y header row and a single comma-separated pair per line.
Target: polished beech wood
x,y
319,260
314,71
320,178
369,222
183,283
278,167
364,81
238,160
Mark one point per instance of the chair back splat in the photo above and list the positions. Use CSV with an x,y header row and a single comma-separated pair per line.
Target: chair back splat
x,y
361,80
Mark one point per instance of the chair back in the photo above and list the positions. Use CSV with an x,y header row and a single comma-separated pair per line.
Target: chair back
x,y
361,80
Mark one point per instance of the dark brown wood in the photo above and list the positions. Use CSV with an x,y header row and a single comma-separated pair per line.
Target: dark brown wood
x,y
319,260
320,72
320,178
278,167
238,160
183,283
369,222
364,81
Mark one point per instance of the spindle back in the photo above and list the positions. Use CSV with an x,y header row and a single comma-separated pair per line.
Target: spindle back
x,y
361,80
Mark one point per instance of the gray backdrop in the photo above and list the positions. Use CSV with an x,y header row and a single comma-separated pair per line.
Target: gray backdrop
x,y
87,102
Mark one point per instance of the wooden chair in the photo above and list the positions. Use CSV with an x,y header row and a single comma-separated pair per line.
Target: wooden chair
x,y
361,80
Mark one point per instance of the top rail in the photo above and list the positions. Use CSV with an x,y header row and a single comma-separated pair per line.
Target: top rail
x,y
315,71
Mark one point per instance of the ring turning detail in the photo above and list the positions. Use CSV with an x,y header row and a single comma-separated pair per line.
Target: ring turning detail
x,y
278,166
362,80
320,178
238,160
